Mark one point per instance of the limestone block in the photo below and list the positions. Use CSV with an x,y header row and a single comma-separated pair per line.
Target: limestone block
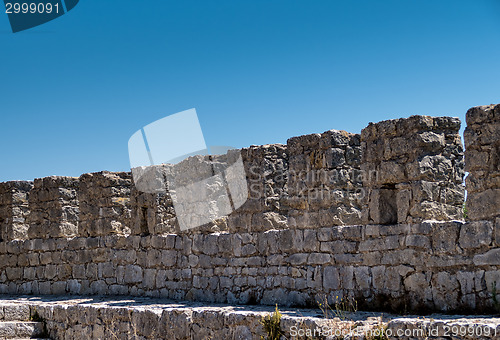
x,y
491,257
476,234
483,205
445,288
331,278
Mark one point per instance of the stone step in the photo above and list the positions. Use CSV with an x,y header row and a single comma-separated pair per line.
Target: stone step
x,y
14,312
20,329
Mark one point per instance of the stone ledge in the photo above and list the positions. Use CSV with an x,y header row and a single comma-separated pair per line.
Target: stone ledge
x,y
98,318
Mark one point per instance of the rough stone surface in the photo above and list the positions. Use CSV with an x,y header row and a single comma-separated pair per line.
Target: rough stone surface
x,y
324,186
413,170
14,209
482,143
104,199
53,208
425,266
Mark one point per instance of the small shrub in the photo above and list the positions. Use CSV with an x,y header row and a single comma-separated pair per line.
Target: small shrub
x,y
340,309
344,306
272,325
465,212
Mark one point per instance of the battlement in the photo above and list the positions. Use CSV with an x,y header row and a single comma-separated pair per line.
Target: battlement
x,y
396,171
376,216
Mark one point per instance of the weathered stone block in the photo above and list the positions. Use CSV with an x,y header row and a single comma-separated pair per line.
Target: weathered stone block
x,y
476,234
331,278
491,257
483,204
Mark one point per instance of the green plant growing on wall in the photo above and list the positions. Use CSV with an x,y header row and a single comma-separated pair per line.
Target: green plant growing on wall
x,y
272,325
465,211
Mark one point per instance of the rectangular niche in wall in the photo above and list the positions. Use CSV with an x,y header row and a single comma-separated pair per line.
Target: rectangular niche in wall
x,y
388,209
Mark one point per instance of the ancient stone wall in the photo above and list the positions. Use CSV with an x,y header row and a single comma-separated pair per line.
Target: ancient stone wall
x,y
332,214
482,145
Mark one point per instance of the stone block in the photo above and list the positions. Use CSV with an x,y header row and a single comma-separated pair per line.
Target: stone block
x,y
490,258
331,278
476,234
483,205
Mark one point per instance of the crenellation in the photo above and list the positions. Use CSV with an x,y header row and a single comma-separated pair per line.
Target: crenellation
x,y
14,210
482,155
324,185
104,199
413,170
53,208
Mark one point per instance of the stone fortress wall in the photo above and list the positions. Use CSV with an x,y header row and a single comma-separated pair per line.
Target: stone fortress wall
x,y
376,216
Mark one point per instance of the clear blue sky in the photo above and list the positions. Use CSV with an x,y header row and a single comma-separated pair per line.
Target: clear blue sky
x,y
259,71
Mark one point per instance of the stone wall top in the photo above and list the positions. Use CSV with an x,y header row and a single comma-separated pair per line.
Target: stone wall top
x,y
315,180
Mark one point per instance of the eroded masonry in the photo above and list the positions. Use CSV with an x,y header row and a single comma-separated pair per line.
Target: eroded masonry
x,y
376,216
